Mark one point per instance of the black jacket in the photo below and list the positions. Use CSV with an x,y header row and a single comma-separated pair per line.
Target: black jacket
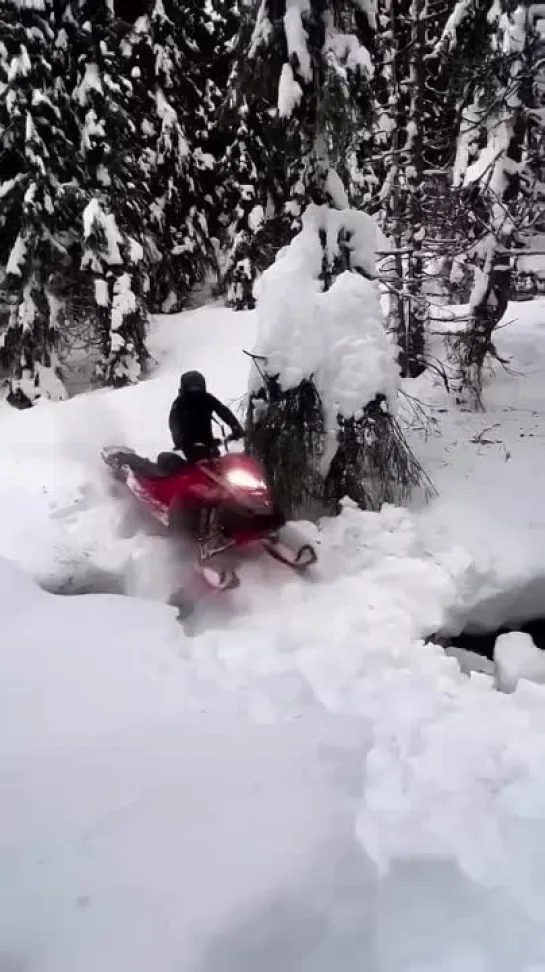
x,y
190,421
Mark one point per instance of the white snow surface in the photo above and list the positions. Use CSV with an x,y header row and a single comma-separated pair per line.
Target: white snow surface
x,y
290,92
517,656
17,256
91,81
335,189
305,784
296,36
345,52
96,219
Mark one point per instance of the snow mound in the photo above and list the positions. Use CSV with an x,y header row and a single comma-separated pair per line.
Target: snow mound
x,y
135,800
517,656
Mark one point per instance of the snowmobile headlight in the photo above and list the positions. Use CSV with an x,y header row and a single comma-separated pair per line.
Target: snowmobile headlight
x,y
244,479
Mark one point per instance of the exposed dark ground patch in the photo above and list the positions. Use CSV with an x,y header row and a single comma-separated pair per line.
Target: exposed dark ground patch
x,y
482,642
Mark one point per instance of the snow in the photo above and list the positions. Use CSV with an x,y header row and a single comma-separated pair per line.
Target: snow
x,y
256,218
136,250
101,292
124,302
17,257
296,37
169,120
263,30
127,751
345,52
290,92
9,185
93,130
492,165
93,217
19,66
517,656
90,82
456,19
305,784
49,381
532,261
335,189
496,457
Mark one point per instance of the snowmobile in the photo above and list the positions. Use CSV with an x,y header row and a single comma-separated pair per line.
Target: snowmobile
x,y
216,505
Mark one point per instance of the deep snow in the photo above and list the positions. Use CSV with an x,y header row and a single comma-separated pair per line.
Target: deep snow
x,y
306,784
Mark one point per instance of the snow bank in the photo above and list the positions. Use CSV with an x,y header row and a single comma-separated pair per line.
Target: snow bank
x,y
336,336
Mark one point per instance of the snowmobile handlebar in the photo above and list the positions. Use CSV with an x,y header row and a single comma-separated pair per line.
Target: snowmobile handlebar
x,y
227,439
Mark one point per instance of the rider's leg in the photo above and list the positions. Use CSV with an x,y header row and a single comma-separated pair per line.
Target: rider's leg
x,y
171,463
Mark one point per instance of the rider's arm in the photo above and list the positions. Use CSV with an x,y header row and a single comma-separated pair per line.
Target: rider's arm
x,y
226,415
175,422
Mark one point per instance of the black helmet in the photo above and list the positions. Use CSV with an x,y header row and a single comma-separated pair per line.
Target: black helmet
x,y
192,382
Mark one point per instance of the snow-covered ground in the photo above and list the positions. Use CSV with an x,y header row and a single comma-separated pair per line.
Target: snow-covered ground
x,y
306,784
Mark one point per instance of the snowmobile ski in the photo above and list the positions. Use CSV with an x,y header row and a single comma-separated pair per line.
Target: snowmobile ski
x,y
300,558
208,579
219,578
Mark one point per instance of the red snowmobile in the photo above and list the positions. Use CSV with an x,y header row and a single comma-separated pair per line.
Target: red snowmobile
x,y
217,504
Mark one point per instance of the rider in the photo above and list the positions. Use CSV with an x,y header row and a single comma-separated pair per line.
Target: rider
x,y
190,423
190,418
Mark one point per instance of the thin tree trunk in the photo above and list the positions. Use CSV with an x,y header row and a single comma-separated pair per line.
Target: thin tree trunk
x,y
417,308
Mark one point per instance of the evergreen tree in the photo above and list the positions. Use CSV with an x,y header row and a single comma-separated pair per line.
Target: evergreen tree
x,y
490,47
408,138
174,55
325,378
110,123
300,93
36,192
254,171
116,158
182,172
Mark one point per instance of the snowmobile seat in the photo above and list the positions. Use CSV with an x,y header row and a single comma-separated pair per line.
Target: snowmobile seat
x,y
141,466
170,463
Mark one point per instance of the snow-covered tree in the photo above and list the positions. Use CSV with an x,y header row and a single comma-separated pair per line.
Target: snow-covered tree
x,y
254,168
36,197
302,91
529,265
403,148
114,260
183,179
489,45
324,383
117,155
